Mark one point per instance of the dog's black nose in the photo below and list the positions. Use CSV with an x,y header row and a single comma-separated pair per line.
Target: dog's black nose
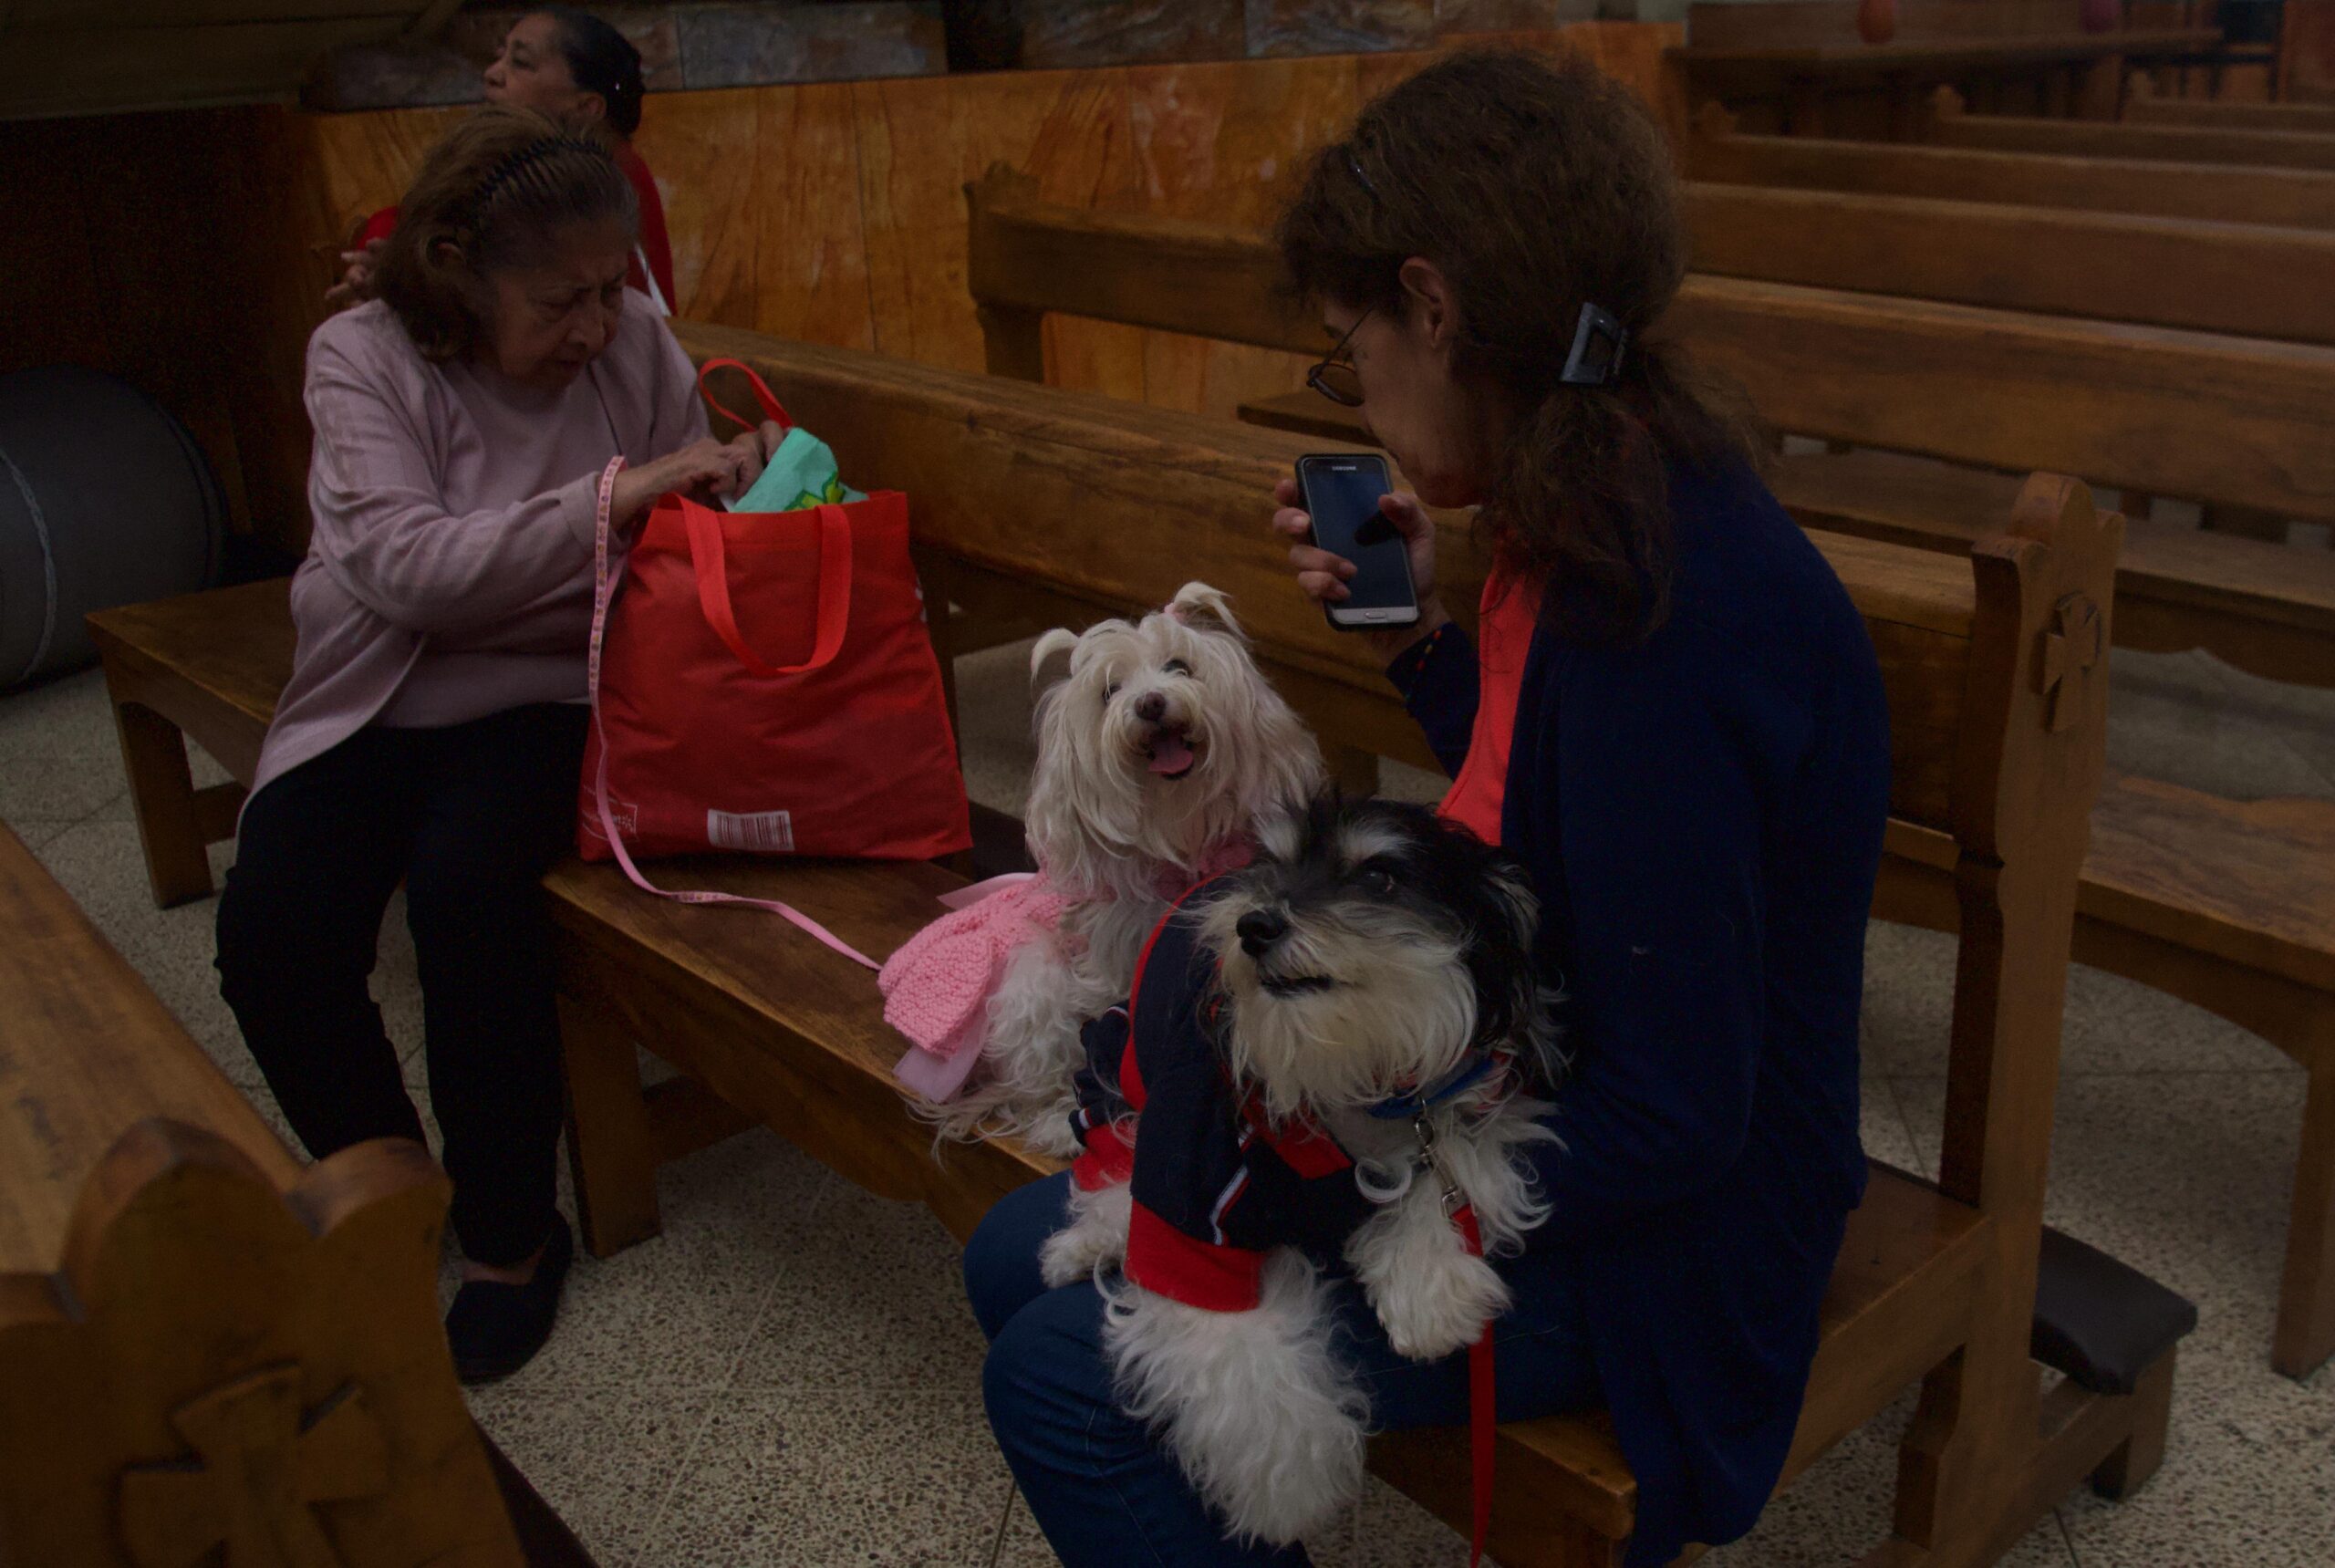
x,y
1151,707
1260,928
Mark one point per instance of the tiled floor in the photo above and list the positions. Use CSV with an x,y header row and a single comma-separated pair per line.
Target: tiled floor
x,y
790,1374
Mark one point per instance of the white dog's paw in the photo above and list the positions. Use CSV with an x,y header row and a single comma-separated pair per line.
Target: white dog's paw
x,y
1050,1131
1431,1295
1443,1306
1253,1405
1095,1239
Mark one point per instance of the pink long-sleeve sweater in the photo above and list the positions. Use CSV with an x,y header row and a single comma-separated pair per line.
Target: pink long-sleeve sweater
x,y
449,563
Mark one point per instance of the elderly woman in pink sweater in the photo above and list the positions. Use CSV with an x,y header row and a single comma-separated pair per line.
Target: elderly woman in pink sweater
x,y
434,724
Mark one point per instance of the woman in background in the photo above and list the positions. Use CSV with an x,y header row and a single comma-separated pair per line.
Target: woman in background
x,y
567,64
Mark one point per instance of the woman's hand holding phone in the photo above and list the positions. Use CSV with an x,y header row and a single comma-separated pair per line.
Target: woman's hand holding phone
x,y
1323,575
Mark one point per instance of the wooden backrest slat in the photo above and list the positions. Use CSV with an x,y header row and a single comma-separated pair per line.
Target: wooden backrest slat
x,y
2249,280
1117,504
2189,144
2115,403
2200,415
2144,108
87,1051
2298,197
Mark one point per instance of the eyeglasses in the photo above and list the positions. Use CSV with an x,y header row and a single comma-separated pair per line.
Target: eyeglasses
x,y
1335,377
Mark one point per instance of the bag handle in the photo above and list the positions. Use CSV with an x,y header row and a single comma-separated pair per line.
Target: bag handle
x,y
710,557
604,587
763,395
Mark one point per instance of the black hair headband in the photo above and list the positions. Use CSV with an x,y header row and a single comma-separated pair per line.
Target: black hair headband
x,y
520,159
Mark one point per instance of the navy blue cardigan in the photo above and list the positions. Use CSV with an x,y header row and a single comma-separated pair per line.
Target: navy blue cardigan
x,y
1702,813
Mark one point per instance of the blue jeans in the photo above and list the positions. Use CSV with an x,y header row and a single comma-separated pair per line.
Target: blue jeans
x,y
1098,1482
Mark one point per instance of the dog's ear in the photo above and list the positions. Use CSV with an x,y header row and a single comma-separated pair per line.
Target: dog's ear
x,y
1060,640
1203,609
1514,895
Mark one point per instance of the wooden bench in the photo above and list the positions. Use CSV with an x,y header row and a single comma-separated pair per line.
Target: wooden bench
x,y
2302,198
202,1343
2155,108
2250,901
2247,280
1997,388
1951,126
1111,501
1804,67
1114,500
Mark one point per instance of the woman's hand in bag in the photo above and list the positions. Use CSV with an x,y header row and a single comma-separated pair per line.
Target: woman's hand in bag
x,y
706,470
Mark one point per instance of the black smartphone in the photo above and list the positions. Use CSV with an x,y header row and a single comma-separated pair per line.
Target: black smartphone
x,y
1341,492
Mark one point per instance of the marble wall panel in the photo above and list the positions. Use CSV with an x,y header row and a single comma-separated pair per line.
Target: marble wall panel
x,y
737,45
921,140
1277,28
1225,143
1508,16
1068,33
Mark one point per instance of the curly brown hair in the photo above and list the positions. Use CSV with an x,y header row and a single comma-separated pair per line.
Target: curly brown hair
x,y
493,194
1537,185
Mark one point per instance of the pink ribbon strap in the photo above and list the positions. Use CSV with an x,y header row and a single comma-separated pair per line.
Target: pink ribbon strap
x,y
604,587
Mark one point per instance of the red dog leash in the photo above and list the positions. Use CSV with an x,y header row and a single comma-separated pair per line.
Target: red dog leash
x,y
1482,1417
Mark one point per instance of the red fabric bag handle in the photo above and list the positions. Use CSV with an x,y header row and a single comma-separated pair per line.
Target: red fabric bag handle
x,y
709,559
763,395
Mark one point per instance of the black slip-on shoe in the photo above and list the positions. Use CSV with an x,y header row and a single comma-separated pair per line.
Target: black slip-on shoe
x,y
495,1329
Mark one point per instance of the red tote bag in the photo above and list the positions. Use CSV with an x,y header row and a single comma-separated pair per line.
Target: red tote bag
x,y
764,682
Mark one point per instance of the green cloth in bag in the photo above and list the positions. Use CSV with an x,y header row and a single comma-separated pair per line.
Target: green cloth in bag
x,y
800,474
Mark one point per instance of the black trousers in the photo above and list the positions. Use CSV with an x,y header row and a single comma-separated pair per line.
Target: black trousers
x,y
469,817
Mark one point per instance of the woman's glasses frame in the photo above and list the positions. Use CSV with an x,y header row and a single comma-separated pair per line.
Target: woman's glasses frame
x,y
1335,377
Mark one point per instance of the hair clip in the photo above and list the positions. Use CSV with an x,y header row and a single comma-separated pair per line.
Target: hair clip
x,y
1355,164
1597,346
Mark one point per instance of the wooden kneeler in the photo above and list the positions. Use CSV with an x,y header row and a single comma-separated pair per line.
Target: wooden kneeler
x,y
224,1373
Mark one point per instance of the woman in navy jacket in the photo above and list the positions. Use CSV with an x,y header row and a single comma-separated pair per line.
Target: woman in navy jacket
x,y
1671,715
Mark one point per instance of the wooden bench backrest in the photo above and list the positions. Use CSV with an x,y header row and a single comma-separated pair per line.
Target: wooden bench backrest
x,y
2190,144
1995,672
2303,198
2249,280
180,1303
2173,413
2147,108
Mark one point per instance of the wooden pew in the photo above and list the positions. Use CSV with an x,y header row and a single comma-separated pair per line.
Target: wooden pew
x,y
2153,108
2302,198
1098,506
1997,388
2239,920
1115,500
1802,66
1951,126
2247,280
203,1344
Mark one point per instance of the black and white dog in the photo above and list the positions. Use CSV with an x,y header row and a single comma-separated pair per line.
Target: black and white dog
x,y
1366,986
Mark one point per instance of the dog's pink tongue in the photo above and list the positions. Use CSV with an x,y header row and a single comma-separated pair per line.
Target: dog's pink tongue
x,y
1170,754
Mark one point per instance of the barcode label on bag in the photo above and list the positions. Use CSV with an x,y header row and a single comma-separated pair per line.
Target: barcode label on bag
x,y
762,832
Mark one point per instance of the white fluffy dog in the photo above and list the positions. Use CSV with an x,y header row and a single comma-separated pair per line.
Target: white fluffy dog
x,y
1373,981
1159,749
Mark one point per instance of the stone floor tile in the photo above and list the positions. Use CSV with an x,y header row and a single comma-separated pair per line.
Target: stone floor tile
x,y
70,716
2249,1480
828,1480
674,1313
604,1456
868,1295
995,707
2172,716
2112,1024
2185,1176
